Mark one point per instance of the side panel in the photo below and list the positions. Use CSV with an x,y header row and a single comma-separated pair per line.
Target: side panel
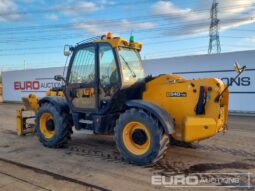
x,y
179,97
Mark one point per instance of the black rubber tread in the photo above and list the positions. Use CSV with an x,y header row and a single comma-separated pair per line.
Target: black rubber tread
x,y
175,142
159,140
63,127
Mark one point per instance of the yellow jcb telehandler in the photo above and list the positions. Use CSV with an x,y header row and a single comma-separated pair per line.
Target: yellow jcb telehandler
x,y
106,91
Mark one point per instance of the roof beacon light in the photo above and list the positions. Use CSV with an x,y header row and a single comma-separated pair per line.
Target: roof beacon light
x,y
109,35
131,39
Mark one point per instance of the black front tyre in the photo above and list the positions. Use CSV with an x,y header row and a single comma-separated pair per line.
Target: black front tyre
x,y
139,137
53,127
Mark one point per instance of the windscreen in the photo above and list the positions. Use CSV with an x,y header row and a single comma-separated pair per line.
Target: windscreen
x,y
131,65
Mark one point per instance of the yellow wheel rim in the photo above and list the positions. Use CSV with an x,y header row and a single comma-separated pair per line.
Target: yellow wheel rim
x,y
136,138
44,126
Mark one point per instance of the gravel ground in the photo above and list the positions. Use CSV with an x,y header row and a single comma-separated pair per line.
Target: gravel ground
x,y
92,162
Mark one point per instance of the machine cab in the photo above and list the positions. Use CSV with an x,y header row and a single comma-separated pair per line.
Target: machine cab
x,y
99,71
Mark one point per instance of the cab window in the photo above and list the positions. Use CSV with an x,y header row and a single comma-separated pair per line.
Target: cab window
x,y
83,72
83,68
108,73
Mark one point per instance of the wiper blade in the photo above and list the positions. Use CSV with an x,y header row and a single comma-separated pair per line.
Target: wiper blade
x,y
132,72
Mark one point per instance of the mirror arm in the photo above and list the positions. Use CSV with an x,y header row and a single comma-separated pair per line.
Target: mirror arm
x,y
64,80
59,78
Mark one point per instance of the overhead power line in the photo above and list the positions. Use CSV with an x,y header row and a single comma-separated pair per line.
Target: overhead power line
x,y
77,8
149,43
29,48
72,28
79,35
70,7
109,21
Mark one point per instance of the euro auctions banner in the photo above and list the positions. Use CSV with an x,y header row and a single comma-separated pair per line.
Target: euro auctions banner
x,y
21,83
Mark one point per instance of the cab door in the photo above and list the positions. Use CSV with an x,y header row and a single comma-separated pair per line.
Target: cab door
x,y
81,90
109,80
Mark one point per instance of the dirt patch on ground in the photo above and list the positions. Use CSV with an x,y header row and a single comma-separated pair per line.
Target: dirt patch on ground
x,y
94,159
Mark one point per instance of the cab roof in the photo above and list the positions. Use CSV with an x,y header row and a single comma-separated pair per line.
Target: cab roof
x,y
115,41
121,42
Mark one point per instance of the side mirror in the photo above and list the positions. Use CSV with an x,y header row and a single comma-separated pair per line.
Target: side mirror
x,y
238,68
67,50
59,78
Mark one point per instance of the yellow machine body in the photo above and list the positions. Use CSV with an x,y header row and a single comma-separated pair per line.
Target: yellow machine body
x,y
173,93
179,97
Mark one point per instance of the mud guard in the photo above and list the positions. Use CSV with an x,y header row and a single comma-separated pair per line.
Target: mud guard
x,y
163,116
59,102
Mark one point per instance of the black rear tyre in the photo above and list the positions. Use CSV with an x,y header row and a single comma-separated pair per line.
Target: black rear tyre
x,y
140,138
184,144
53,127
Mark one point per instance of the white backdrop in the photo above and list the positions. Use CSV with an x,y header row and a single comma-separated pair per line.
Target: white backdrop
x,y
17,84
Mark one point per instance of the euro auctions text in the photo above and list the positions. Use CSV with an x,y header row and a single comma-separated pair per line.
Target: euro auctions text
x,y
230,180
